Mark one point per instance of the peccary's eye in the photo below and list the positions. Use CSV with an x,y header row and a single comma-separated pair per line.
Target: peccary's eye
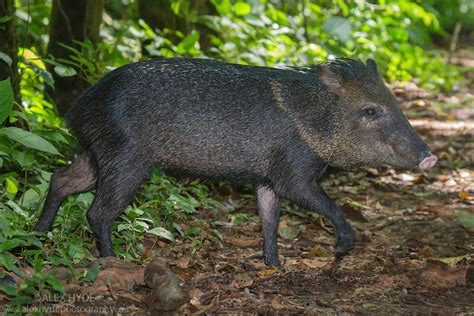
x,y
370,112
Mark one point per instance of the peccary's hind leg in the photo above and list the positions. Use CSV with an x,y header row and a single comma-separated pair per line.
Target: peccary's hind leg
x,y
269,210
115,189
76,178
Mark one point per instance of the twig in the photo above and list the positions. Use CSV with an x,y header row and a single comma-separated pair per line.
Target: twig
x,y
454,41
111,290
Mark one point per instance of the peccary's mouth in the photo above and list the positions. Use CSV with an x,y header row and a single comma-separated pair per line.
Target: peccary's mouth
x,y
428,160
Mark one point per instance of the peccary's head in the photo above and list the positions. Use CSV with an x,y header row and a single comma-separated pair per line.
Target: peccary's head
x,y
368,127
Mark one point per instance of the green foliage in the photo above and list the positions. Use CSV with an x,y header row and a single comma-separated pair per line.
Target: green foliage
x,y
6,99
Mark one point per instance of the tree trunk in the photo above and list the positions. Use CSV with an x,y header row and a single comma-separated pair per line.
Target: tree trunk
x,y
71,20
158,15
9,46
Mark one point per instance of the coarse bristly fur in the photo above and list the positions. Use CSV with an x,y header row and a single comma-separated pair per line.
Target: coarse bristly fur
x,y
277,128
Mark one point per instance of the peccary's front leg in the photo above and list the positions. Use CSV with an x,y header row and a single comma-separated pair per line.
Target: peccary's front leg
x,y
312,197
269,211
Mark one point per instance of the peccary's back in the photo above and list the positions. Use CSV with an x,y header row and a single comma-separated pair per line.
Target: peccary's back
x,y
192,116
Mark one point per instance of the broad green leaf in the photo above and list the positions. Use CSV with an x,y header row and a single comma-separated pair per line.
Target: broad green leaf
x,y
7,59
242,8
56,284
17,209
11,244
30,199
28,139
161,232
338,27
12,187
65,71
9,290
92,273
5,18
23,158
466,219
224,7
46,75
188,42
6,99
7,260
452,261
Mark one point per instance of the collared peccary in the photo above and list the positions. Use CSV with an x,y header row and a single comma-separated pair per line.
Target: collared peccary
x,y
277,128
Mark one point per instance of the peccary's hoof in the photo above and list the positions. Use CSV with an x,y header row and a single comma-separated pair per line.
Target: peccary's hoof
x,y
272,261
345,242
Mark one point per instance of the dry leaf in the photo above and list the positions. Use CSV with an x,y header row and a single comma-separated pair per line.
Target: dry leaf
x,y
183,262
268,271
466,196
317,252
314,264
243,280
242,242
276,304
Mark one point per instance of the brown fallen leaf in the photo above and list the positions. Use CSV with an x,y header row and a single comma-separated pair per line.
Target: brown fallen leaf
x,y
386,280
276,303
115,274
314,264
183,262
242,242
437,277
353,213
243,280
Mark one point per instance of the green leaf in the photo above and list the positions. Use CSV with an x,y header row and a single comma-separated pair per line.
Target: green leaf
x,y
7,59
290,232
30,199
21,300
452,261
65,71
6,99
11,244
28,139
224,7
466,219
188,42
12,187
92,273
23,158
17,209
338,27
9,290
46,75
5,18
242,8
161,232
55,283
7,260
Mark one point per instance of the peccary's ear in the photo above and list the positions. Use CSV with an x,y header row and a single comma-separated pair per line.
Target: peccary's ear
x,y
330,79
372,65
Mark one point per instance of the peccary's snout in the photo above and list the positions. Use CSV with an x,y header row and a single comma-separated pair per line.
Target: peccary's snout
x,y
428,160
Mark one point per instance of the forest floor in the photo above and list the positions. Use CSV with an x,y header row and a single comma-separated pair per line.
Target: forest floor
x,y
414,252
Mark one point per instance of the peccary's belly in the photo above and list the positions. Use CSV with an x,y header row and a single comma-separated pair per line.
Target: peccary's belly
x,y
211,148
